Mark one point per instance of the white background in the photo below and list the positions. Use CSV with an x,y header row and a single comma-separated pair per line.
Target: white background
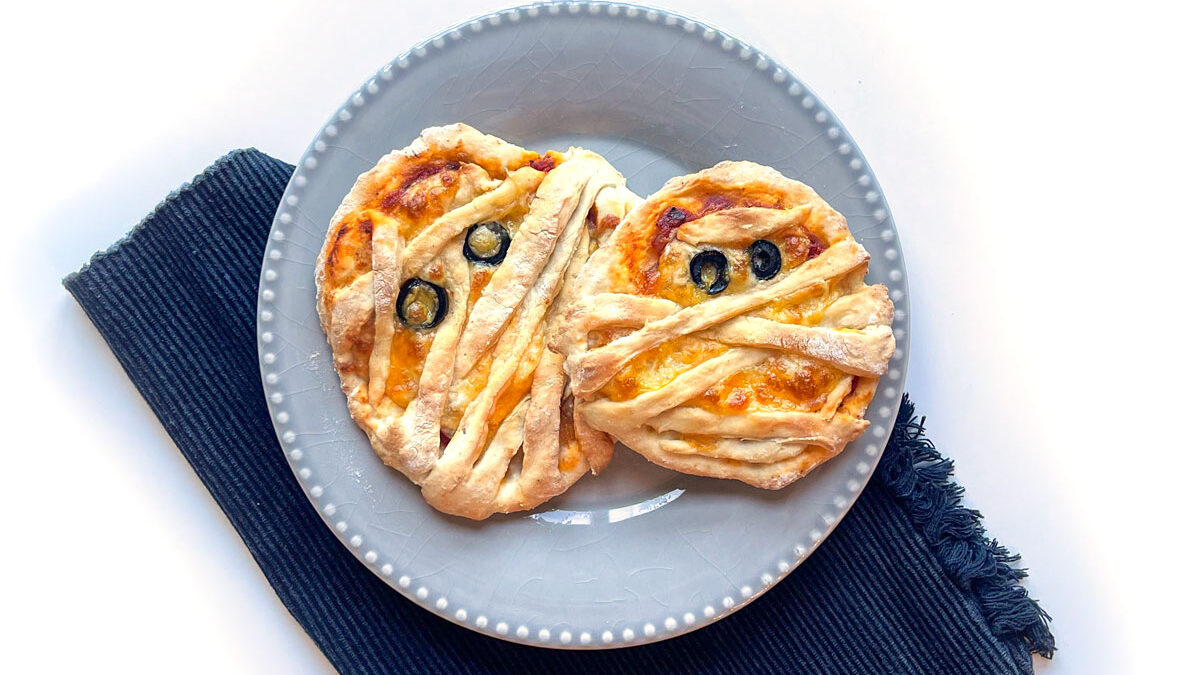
x,y
1039,161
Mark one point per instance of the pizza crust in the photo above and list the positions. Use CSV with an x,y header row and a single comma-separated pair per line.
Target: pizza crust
x,y
768,377
475,410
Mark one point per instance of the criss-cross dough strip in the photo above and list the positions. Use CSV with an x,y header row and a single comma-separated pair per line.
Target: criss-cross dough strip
x,y
541,474
547,220
462,177
407,439
858,353
453,142
739,226
550,380
605,413
419,429
547,462
752,451
489,206
516,340
591,370
352,308
613,202
857,349
770,475
545,453
386,246
392,260
813,320
463,451
605,310
519,345
477,495
792,426
868,306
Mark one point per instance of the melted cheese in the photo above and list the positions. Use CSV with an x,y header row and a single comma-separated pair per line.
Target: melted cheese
x,y
784,383
409,349
655,368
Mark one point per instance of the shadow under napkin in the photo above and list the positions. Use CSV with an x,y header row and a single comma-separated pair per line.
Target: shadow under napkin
x,y
907,583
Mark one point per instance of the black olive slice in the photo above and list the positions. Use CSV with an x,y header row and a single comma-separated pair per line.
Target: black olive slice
x,y
422,305
710,271
765,260
486,243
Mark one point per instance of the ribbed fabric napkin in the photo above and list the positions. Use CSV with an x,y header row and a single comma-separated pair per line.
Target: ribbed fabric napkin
x,y
908,583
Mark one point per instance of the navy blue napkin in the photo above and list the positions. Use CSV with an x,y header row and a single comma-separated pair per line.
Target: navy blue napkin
x,y
908,583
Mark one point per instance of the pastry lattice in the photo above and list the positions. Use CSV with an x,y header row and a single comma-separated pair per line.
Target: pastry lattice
x,y
474,409
761,381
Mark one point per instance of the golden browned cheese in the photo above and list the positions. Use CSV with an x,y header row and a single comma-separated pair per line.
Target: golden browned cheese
x,y
727,329
415,195
771,385
656,367
443,272
648,267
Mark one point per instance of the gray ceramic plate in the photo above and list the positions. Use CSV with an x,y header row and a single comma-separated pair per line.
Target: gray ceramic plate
x,y
639,553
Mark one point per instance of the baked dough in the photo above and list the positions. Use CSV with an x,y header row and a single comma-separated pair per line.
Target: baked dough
x,y
440,275
725,328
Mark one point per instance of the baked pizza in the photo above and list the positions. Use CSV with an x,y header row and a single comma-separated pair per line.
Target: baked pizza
x,y
725,329
440,276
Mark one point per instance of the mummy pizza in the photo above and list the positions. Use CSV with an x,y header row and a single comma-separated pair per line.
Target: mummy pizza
x,y
725,330
441,273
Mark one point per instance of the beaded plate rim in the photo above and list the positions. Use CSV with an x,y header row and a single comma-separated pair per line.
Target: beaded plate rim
x,y
639,630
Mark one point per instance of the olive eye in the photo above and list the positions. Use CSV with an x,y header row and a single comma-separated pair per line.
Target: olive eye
x,y
765,260
710,271
486,243
422,305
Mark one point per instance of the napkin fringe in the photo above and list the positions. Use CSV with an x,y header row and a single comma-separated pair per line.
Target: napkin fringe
x,y
919,478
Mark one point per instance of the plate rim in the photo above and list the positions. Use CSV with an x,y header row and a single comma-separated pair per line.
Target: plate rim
x,y
783,77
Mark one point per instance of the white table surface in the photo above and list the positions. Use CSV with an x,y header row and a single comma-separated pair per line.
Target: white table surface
x,y
1039,160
